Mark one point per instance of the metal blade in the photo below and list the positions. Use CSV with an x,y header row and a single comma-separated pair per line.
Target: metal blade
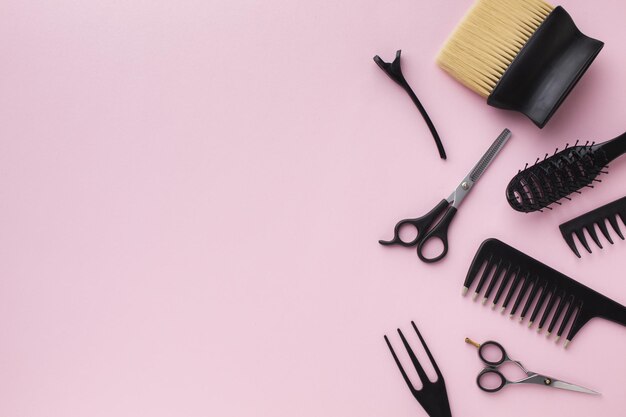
x,y
572,387
491,153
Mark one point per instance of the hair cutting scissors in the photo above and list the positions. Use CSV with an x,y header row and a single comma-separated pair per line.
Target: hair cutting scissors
x,y
446,209
500,357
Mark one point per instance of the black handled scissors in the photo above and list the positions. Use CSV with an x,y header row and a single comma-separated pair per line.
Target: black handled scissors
x,y
499,357
446,209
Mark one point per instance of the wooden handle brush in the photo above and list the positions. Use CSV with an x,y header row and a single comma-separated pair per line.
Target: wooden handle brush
x,y
522,55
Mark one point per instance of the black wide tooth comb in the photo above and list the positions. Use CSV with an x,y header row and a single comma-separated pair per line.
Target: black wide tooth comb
x,y
557,301
537,187
588,221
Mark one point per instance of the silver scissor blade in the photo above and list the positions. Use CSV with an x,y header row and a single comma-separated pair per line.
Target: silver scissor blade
x,y
572,387
491,153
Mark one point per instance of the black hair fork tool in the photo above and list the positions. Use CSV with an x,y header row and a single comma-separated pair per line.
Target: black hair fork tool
x,y
394,71
427,226
433,396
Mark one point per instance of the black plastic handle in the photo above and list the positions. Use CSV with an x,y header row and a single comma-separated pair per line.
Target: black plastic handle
x,y
498,346
439,231
613,148
546,69
421,224
488,371
614,311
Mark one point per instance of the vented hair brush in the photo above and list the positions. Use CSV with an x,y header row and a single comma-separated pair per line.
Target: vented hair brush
x,y
546,294
568,171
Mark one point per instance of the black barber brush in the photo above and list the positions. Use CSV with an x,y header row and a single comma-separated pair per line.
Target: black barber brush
x,y
564,173
522,55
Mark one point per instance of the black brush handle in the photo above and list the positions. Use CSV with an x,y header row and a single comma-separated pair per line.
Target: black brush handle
x,y
546,69
613,148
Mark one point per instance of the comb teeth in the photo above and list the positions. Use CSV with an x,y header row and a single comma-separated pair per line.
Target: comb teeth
x,y
528,286
589,221
559,308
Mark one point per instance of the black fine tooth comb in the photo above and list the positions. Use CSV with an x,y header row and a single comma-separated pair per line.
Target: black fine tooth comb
x,y
433,396
588,221
537,187
566,301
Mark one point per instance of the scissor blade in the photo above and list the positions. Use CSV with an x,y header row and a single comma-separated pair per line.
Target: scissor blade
x,y
572,387
491,153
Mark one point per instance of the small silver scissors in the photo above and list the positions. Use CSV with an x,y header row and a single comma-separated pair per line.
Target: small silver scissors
x,y
446,209
531,377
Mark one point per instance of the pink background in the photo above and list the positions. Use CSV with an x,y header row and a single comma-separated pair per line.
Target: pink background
x,y
192,193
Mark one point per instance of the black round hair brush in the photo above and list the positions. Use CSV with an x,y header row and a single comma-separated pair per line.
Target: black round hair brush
x,y
566,172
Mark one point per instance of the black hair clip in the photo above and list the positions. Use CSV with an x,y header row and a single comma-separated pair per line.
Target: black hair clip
x,y
394,71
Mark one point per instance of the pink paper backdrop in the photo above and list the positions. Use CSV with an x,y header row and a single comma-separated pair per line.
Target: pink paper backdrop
x,y
192,193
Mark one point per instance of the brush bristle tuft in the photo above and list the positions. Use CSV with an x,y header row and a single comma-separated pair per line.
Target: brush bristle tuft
x,y
487,40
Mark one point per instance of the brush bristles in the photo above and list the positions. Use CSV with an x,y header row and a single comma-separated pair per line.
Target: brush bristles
x,y
488,39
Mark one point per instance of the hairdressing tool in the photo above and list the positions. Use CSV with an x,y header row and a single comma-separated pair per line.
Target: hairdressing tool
x,y
433,396
522,55
446,209
565,172
541,283
500,358
394,71
587,222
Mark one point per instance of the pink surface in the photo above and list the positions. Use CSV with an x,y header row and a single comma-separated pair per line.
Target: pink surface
x,y
192,194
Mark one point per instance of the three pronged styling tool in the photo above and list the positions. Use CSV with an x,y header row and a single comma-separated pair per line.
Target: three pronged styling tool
x,y
588,221
537,187
566,301
433,396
